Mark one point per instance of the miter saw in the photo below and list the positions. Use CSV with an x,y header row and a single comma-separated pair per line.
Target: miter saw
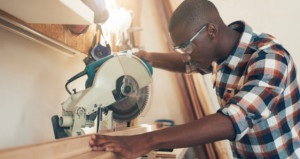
x,y
117,87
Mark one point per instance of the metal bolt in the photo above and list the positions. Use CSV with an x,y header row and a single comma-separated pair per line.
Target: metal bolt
x,y
80,111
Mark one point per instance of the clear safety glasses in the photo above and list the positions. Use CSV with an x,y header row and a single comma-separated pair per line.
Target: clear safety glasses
x,y
188,47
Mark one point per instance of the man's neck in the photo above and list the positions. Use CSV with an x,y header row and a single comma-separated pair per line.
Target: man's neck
x,y
228,42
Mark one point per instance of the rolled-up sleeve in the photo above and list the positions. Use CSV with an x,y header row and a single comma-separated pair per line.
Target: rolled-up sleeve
x,y
265,81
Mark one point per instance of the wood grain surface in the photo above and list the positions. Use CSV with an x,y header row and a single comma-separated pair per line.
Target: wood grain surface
x,y
72,147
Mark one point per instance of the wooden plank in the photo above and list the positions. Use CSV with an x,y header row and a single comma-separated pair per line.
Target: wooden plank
x,y
208,108
202,94
62,148
78,148
96,155
66,148
197,105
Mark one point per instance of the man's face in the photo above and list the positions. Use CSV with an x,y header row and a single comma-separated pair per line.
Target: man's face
x,y
203,50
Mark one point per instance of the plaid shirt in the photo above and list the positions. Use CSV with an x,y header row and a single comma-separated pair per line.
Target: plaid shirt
x,y
257,88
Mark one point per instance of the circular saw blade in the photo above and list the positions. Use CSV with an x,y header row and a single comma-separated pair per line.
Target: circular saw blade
x,y
131,100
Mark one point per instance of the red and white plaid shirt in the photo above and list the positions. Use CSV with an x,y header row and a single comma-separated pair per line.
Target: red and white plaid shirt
x,y
257,88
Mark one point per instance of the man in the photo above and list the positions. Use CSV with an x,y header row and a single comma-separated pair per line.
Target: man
x,y
256,86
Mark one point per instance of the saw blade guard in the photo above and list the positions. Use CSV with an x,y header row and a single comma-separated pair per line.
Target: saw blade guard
x,y
92,68
132,96
130,77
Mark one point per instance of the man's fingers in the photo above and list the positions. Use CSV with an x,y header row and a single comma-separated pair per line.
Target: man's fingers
x,y
144,55
117,144
100,139
140,53
98,148
113,147
91,142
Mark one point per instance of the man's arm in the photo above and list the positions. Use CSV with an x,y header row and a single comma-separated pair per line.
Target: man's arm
x,y
167,61
205,130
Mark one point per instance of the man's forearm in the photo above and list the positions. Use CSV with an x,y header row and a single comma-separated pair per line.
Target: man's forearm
x,y
168,61
208,129
205,130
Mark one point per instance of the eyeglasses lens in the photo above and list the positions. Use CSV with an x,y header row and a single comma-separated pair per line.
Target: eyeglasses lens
x,y
187,49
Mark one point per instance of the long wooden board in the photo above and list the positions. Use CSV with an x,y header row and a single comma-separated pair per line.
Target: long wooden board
x,y
73,147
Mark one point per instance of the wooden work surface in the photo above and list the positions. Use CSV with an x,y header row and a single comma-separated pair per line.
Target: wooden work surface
x,y
65,148
73,147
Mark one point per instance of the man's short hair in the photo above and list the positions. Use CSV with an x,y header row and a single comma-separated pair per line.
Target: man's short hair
x,y
194,12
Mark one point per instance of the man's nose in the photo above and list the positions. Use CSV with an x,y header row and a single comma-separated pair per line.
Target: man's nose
x,y
186,57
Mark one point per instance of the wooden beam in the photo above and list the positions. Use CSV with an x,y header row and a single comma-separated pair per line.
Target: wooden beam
x,y
73,147
96,155
221,147
202,94
62,148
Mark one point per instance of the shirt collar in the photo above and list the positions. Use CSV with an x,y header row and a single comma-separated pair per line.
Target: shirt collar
x,y
236,56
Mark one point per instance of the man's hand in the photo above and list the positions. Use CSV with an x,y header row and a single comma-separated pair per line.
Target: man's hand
x,y
208,129
144,55
126,146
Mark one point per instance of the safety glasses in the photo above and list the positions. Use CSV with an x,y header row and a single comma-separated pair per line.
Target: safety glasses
x,y
188,47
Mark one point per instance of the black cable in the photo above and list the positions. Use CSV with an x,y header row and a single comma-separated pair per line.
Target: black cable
x,y
80,74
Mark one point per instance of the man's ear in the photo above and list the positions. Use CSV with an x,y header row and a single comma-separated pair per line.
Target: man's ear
x,y
212,31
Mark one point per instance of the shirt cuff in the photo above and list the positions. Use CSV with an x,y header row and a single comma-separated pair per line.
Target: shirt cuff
x,y
239,120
